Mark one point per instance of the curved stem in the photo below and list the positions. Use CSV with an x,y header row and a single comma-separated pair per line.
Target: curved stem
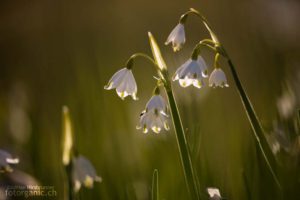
x,y
216,63
205,43
183,146
132,57
258,132
203,19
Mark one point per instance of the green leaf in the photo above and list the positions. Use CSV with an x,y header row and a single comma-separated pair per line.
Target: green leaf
x,y
156,53
67,136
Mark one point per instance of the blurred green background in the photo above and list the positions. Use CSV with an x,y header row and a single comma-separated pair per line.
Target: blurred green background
x,y
62,52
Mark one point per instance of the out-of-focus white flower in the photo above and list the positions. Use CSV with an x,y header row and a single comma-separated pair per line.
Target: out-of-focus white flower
x,y
278,139
218,78
275,146
214,194
177,37
153,120
191,72
286,103
6,160
124,82
83,173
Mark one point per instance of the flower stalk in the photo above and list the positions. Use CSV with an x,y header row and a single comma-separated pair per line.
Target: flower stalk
x,y
258,132
180,136
183,146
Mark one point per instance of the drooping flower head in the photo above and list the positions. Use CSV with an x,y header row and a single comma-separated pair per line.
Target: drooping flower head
x,y
155,115
6,160
124,83
214,194
191,72
218,78
177,37
83,173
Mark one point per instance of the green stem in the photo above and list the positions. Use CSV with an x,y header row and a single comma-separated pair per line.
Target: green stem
x,y
256,126
183,146
68,169
132,57
155,193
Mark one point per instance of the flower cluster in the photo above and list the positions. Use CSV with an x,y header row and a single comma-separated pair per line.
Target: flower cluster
x,y
194,70
155,116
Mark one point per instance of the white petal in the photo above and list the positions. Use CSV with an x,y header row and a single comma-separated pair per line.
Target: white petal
x,y
185,82
174,33
156,102
6,159
198,83
185,69
203,66
214,193
177,37
12,160
176,76
116,79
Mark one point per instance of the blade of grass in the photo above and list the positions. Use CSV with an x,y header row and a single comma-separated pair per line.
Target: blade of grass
x,y
256,126
155,192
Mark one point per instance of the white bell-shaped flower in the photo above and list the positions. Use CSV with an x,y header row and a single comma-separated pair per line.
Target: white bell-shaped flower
x,y
83,173
214,194
218,78
6,160
153,120
124,83
191,72
155,116
177,37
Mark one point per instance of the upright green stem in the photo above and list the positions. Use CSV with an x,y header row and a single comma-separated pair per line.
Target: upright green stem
x,y
257,129
68,169
180,137
183,146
